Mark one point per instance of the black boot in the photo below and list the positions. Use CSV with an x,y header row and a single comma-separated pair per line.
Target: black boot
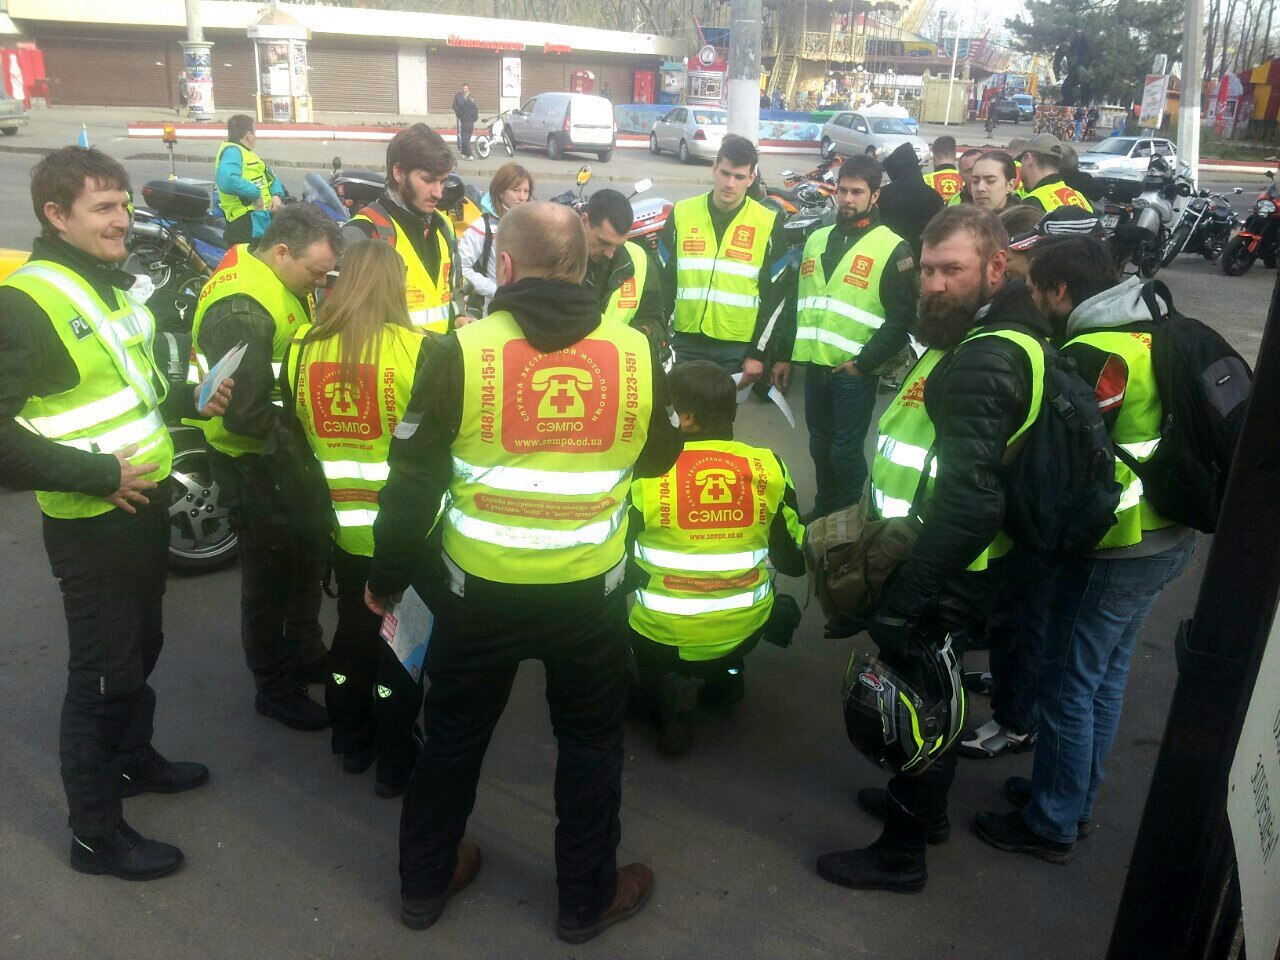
x,y
148,772
294,709
125,854
677,699
875,800
895,862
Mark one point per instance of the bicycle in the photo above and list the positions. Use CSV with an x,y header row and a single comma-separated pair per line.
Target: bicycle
x,y
496,127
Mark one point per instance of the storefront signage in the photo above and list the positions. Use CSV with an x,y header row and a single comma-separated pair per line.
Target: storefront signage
x,y
557,48
497,46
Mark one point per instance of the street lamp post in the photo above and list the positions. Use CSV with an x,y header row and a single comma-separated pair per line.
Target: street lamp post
x,y
955,51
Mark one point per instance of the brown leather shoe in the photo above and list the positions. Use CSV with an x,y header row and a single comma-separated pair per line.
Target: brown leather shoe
x,y
635,883
419,913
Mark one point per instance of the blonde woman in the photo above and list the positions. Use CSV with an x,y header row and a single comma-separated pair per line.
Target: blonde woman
x,y
350,386
511,186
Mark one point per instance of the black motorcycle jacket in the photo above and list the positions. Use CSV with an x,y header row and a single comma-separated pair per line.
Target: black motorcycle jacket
x,y
977,397
606,276
34,363
419,229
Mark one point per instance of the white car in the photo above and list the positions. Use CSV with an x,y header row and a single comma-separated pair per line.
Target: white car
x,y
690,132
562,123
864,131
1126,158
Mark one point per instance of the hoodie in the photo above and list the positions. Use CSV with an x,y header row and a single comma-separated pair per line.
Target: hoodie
x,y
1117,308
907,203
552,315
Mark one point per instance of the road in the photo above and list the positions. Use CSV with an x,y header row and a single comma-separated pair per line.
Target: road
x,y
287,857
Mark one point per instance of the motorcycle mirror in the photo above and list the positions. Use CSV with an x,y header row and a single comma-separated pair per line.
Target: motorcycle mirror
x,y
1271,174
584,175
642,186
787,174
1237,190
337,164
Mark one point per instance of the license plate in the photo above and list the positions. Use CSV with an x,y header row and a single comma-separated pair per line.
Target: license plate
x,y
1110,221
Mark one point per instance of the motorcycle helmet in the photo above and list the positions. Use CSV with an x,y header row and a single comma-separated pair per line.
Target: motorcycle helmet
x,y
904,715
453,194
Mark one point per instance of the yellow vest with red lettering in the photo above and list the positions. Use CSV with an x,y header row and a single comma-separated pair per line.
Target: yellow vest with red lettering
x,y
430,298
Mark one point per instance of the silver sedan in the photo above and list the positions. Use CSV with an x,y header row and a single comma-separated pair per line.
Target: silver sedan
x,y
690,132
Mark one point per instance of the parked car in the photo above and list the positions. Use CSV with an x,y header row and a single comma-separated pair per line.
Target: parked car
x,y
1126,158
1026,105
690,132
12,116
1005,110
564,122
868,132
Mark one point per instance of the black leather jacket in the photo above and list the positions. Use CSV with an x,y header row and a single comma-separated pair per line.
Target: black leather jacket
x,y
977,396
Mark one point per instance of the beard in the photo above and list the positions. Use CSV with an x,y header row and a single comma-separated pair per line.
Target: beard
x,y
846,219
943,319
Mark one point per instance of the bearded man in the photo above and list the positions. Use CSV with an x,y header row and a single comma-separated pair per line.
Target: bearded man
x,y
957,417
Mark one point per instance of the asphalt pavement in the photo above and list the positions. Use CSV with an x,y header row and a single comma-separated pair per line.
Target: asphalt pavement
x,y
287,857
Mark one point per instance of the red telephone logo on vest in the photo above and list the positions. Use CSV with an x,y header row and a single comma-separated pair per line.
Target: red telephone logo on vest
x,y
913,396
743,238
344,411
859,270
562,402
714,491
807,267
1069,197
628,297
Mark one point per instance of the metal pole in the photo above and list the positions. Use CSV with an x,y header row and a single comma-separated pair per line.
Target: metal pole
x,y
1189,104
744,68
955,50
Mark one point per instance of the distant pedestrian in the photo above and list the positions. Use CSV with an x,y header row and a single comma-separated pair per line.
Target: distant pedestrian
x,y
992,122
465,109
184,92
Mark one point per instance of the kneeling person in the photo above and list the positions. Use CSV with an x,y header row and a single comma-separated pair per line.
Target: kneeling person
x,y
704,533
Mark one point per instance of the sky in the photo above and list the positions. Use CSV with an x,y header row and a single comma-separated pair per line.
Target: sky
x,y
972,10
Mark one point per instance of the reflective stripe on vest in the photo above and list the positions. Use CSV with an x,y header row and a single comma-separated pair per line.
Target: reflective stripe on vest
x,y
1136,431
1057,194
837,316
705,547
625,301
349,425
115,402
253,169
430,298
543,457
907,433
718,283
243,274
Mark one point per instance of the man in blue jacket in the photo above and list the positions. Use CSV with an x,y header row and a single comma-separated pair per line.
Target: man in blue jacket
x,y
248,190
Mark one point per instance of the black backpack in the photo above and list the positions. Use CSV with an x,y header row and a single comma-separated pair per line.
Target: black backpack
x,y
1204,388
1062,488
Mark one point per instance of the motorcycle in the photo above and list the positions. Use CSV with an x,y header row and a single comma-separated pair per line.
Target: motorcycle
x,y
806,192
1205,227
648,216
1259,237
496,127
1142,228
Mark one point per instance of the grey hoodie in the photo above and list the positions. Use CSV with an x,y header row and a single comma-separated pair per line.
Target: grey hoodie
x,y
1120,306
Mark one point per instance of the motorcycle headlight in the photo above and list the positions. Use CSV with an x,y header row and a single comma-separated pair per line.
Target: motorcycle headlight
x,y
1266,207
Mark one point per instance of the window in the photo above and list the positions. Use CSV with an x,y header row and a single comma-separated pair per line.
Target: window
x,y
859,124
711,118
681,115
890,125
843,119
1143,149
528,108
1115,146
1164,148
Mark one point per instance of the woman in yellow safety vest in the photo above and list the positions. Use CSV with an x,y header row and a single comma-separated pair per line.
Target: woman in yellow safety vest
x,y
350,377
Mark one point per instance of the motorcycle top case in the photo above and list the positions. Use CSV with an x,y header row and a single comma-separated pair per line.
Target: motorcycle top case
x,y
176,200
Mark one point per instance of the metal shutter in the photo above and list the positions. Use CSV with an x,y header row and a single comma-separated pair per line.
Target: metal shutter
x,y
111,73
353,80
542,73
448,70
234,82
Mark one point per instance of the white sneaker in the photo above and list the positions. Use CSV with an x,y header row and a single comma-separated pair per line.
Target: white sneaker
x,y
991,740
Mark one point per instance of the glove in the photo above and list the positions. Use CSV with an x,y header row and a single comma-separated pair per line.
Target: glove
x,y
844,625
891,631
783,621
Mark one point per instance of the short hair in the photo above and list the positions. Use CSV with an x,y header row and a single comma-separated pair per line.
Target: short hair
x,y
238,126
1019,219
945,147
1046,160
985,226
418,147
1006,163
509,175
703,388
1083,264
60,178
610,206
738,151
864,167
298,226
1016,146
545,239
971,152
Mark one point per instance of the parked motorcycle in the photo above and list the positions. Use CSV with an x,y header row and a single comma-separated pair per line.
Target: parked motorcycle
x,y
1259,237
648,215
1141,229
496,126
807,192
1205,227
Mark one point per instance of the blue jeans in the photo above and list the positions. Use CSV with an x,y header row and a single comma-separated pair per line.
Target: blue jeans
x,y
837,408
1096,612
729,354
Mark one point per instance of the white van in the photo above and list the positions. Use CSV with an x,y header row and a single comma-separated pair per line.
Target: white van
x,y
564,122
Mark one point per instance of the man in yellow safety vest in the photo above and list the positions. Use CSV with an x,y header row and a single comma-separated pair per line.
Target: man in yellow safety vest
x,y
1044,161
945,178
418,161
534,420
626,284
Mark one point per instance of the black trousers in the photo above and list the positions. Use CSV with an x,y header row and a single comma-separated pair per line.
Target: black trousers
x,y
111,570
580,635
464,136
239,230
376,701
722,677
279,580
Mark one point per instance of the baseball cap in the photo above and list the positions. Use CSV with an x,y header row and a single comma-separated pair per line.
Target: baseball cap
x,y
1044,143
1065,221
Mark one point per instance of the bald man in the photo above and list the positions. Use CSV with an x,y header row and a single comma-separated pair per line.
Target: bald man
x,y
534,420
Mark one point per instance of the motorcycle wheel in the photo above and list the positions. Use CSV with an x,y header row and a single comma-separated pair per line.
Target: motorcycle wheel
x,y
1148,260
1177,241
154,262
200,534
1236,258
482,147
